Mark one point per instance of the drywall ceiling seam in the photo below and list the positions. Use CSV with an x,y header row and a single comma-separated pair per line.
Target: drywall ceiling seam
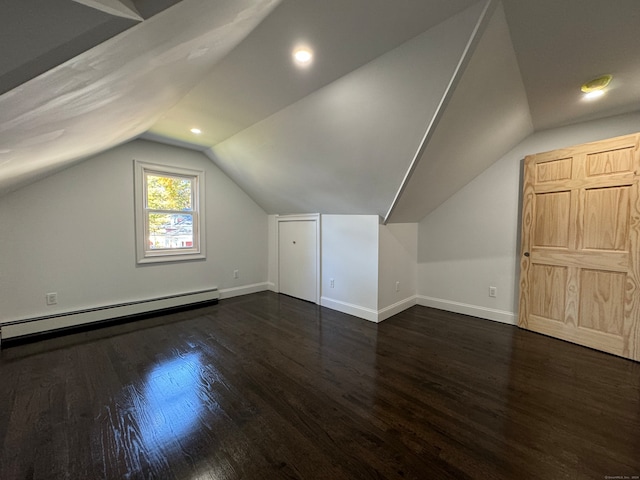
x,y
474,39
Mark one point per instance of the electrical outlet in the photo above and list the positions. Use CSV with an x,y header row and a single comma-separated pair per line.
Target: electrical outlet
x,y
332,283
236,274
493,292
52,298
397,286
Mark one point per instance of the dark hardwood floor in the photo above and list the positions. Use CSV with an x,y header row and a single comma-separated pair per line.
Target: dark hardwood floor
x,y
266,386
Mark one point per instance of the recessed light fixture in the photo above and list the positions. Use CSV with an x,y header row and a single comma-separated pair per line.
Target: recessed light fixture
x,y
196,131
303,56
595,88
593,95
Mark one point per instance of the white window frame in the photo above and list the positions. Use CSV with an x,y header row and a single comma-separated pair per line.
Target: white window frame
x,y
144,254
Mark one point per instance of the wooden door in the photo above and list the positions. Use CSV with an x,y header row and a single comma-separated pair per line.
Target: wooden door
x,y
580,238
297,259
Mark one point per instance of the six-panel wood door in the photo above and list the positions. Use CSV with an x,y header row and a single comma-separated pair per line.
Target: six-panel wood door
x,y
580,238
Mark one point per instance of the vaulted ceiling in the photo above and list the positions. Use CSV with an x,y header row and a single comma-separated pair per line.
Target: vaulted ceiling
x,y
404,103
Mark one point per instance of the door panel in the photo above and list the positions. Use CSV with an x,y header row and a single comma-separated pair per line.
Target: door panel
x,y
553,170
580,239
548,291
602,301
606,218
607,162
552,219
297,258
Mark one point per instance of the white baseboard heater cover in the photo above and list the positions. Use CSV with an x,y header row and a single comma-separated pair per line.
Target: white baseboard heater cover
x,y
28,326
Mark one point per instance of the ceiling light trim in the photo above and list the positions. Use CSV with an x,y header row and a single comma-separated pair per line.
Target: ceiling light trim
x,y
598,84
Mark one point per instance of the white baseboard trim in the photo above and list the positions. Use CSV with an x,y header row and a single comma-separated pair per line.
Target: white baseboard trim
x,y
271,286
365,313
396,308
474,310
349,308
243,290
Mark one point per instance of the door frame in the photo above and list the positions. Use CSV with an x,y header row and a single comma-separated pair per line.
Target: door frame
x,y
304,217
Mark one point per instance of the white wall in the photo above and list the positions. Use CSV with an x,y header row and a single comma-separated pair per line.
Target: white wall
x,y
73,233
397,256
350,258
471,241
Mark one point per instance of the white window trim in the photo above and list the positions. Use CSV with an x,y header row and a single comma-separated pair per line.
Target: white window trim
x,y
145,255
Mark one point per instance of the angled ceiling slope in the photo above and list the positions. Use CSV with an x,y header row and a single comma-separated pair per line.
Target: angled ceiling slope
x,y
37,35
485,117
345,148
117,90
119,8
258,78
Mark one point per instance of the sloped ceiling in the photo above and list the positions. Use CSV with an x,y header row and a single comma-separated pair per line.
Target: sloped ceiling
x,y
486,116
344,136
258,78
346,146
116,90
37,35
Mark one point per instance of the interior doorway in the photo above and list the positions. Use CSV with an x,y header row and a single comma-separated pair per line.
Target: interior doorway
x,y
299,256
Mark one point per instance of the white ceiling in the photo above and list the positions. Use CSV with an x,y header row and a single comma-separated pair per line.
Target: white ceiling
x,y
188,64
118,89
37,35
259,79
347,145
562,44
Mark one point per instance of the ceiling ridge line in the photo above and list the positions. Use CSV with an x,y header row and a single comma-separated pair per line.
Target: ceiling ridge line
x,y
472,43
118,8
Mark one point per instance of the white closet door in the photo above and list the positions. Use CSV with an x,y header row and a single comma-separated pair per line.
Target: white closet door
x,y
297,254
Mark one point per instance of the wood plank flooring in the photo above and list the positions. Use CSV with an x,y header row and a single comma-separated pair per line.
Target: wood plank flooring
x,y
267,387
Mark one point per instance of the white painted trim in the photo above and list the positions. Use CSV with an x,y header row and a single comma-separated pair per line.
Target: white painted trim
x,y
313,217
298,217
271,286
243,290
351,309
396,308
501,316
369,314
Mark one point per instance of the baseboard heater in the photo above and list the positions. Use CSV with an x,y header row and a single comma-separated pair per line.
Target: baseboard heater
x,y
80,318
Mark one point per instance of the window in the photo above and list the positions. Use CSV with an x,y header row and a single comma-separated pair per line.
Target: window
x,y
169,213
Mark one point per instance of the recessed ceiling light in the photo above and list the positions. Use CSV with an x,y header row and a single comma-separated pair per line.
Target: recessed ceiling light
x,y
595,88
196,131
303,56
593,95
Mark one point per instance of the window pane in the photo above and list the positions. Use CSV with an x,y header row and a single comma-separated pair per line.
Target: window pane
x,y
169,193
173,230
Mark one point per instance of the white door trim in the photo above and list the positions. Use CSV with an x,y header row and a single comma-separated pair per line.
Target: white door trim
x,y
314,217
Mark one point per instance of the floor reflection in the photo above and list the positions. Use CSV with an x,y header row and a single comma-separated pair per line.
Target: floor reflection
x,y
171,400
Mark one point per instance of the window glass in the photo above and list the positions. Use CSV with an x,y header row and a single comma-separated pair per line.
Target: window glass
x,y
169,214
